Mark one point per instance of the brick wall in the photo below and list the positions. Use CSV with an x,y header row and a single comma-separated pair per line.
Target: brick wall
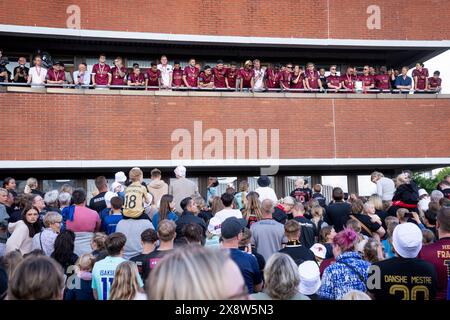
x,y
401,19
96,127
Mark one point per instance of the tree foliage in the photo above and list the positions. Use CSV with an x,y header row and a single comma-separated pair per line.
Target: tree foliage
x,y
430,184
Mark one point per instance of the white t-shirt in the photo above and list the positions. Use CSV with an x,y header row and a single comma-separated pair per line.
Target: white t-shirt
x,y
259,77
266,193
38,75
165,74
227,213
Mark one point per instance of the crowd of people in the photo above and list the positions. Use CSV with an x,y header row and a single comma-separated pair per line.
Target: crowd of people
x,y
251,77
137,241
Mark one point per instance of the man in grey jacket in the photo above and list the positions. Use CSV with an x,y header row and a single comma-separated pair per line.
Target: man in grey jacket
x,y
182,188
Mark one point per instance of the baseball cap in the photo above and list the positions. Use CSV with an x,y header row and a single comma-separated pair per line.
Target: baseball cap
x,y
120,176
232,226
319,250
215,225
422,192
407,240
309,277
180,171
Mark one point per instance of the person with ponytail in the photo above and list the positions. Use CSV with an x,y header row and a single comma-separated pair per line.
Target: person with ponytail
x,y
350,271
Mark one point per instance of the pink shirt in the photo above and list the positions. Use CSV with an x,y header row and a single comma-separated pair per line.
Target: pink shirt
x,y
84,220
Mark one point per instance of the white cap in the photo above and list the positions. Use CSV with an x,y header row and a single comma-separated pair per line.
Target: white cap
x,y
120,177
407,240
319,250
108,196
180,171
309,277
215,226
114,185
422,192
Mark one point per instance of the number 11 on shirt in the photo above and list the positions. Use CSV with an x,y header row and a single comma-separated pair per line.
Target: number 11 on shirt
x,y
105,281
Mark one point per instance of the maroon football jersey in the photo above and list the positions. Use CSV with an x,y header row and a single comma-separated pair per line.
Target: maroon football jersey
x,y
313,79
421,75
177,78
101,73
434,82
152,77
366,80
246,77
204,78
334,80
53,75
116,78
285,78
231,76
219,77
137,78
272,78
191,74
348,81
299,84
382,81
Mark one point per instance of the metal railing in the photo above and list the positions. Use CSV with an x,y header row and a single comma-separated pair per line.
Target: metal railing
x,y
273,90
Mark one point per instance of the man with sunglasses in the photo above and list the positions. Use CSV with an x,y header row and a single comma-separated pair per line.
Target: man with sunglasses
x,y
367,80
285,77
333,80
232,231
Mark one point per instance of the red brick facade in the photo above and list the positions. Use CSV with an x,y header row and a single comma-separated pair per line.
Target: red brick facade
x,y
343,19
95,127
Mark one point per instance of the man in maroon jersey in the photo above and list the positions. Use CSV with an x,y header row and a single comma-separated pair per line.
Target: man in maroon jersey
x,y
136,78
348,80
438,253
420,76
177,75
312,77
56,74
101,72
382,80
190,75
153,77
118,72
205,79
285,77
434,82
333,80
272,77
247,76
298,78
366,79
219,75
231,75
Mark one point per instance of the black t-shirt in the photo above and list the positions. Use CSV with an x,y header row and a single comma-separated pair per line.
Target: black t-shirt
x,y
404,279
206,216
299,253
187,218
279,215
98,203
23,76
329,248
301,194
140,260
320,198
152,260
337,215
308,232
364,219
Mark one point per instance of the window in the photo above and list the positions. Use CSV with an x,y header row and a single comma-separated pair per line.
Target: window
x,y
335,181
365,186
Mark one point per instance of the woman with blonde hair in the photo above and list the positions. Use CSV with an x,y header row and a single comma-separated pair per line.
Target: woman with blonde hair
x,y
252,212
126,284
281,279
241,196
31,186
406,195
196,273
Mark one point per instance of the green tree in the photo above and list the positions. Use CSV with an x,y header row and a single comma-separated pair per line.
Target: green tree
x,y
430,184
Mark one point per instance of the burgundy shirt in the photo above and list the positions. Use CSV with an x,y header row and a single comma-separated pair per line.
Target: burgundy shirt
x,y
191,75
313,79
137,78
219,77
366,80
434,83
285,78
246,76
177,78
53,75
349,81
421,77
299,84
101,74
117,80
153,77
231,76
382,81
205,79
334,80
438,254
272,78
